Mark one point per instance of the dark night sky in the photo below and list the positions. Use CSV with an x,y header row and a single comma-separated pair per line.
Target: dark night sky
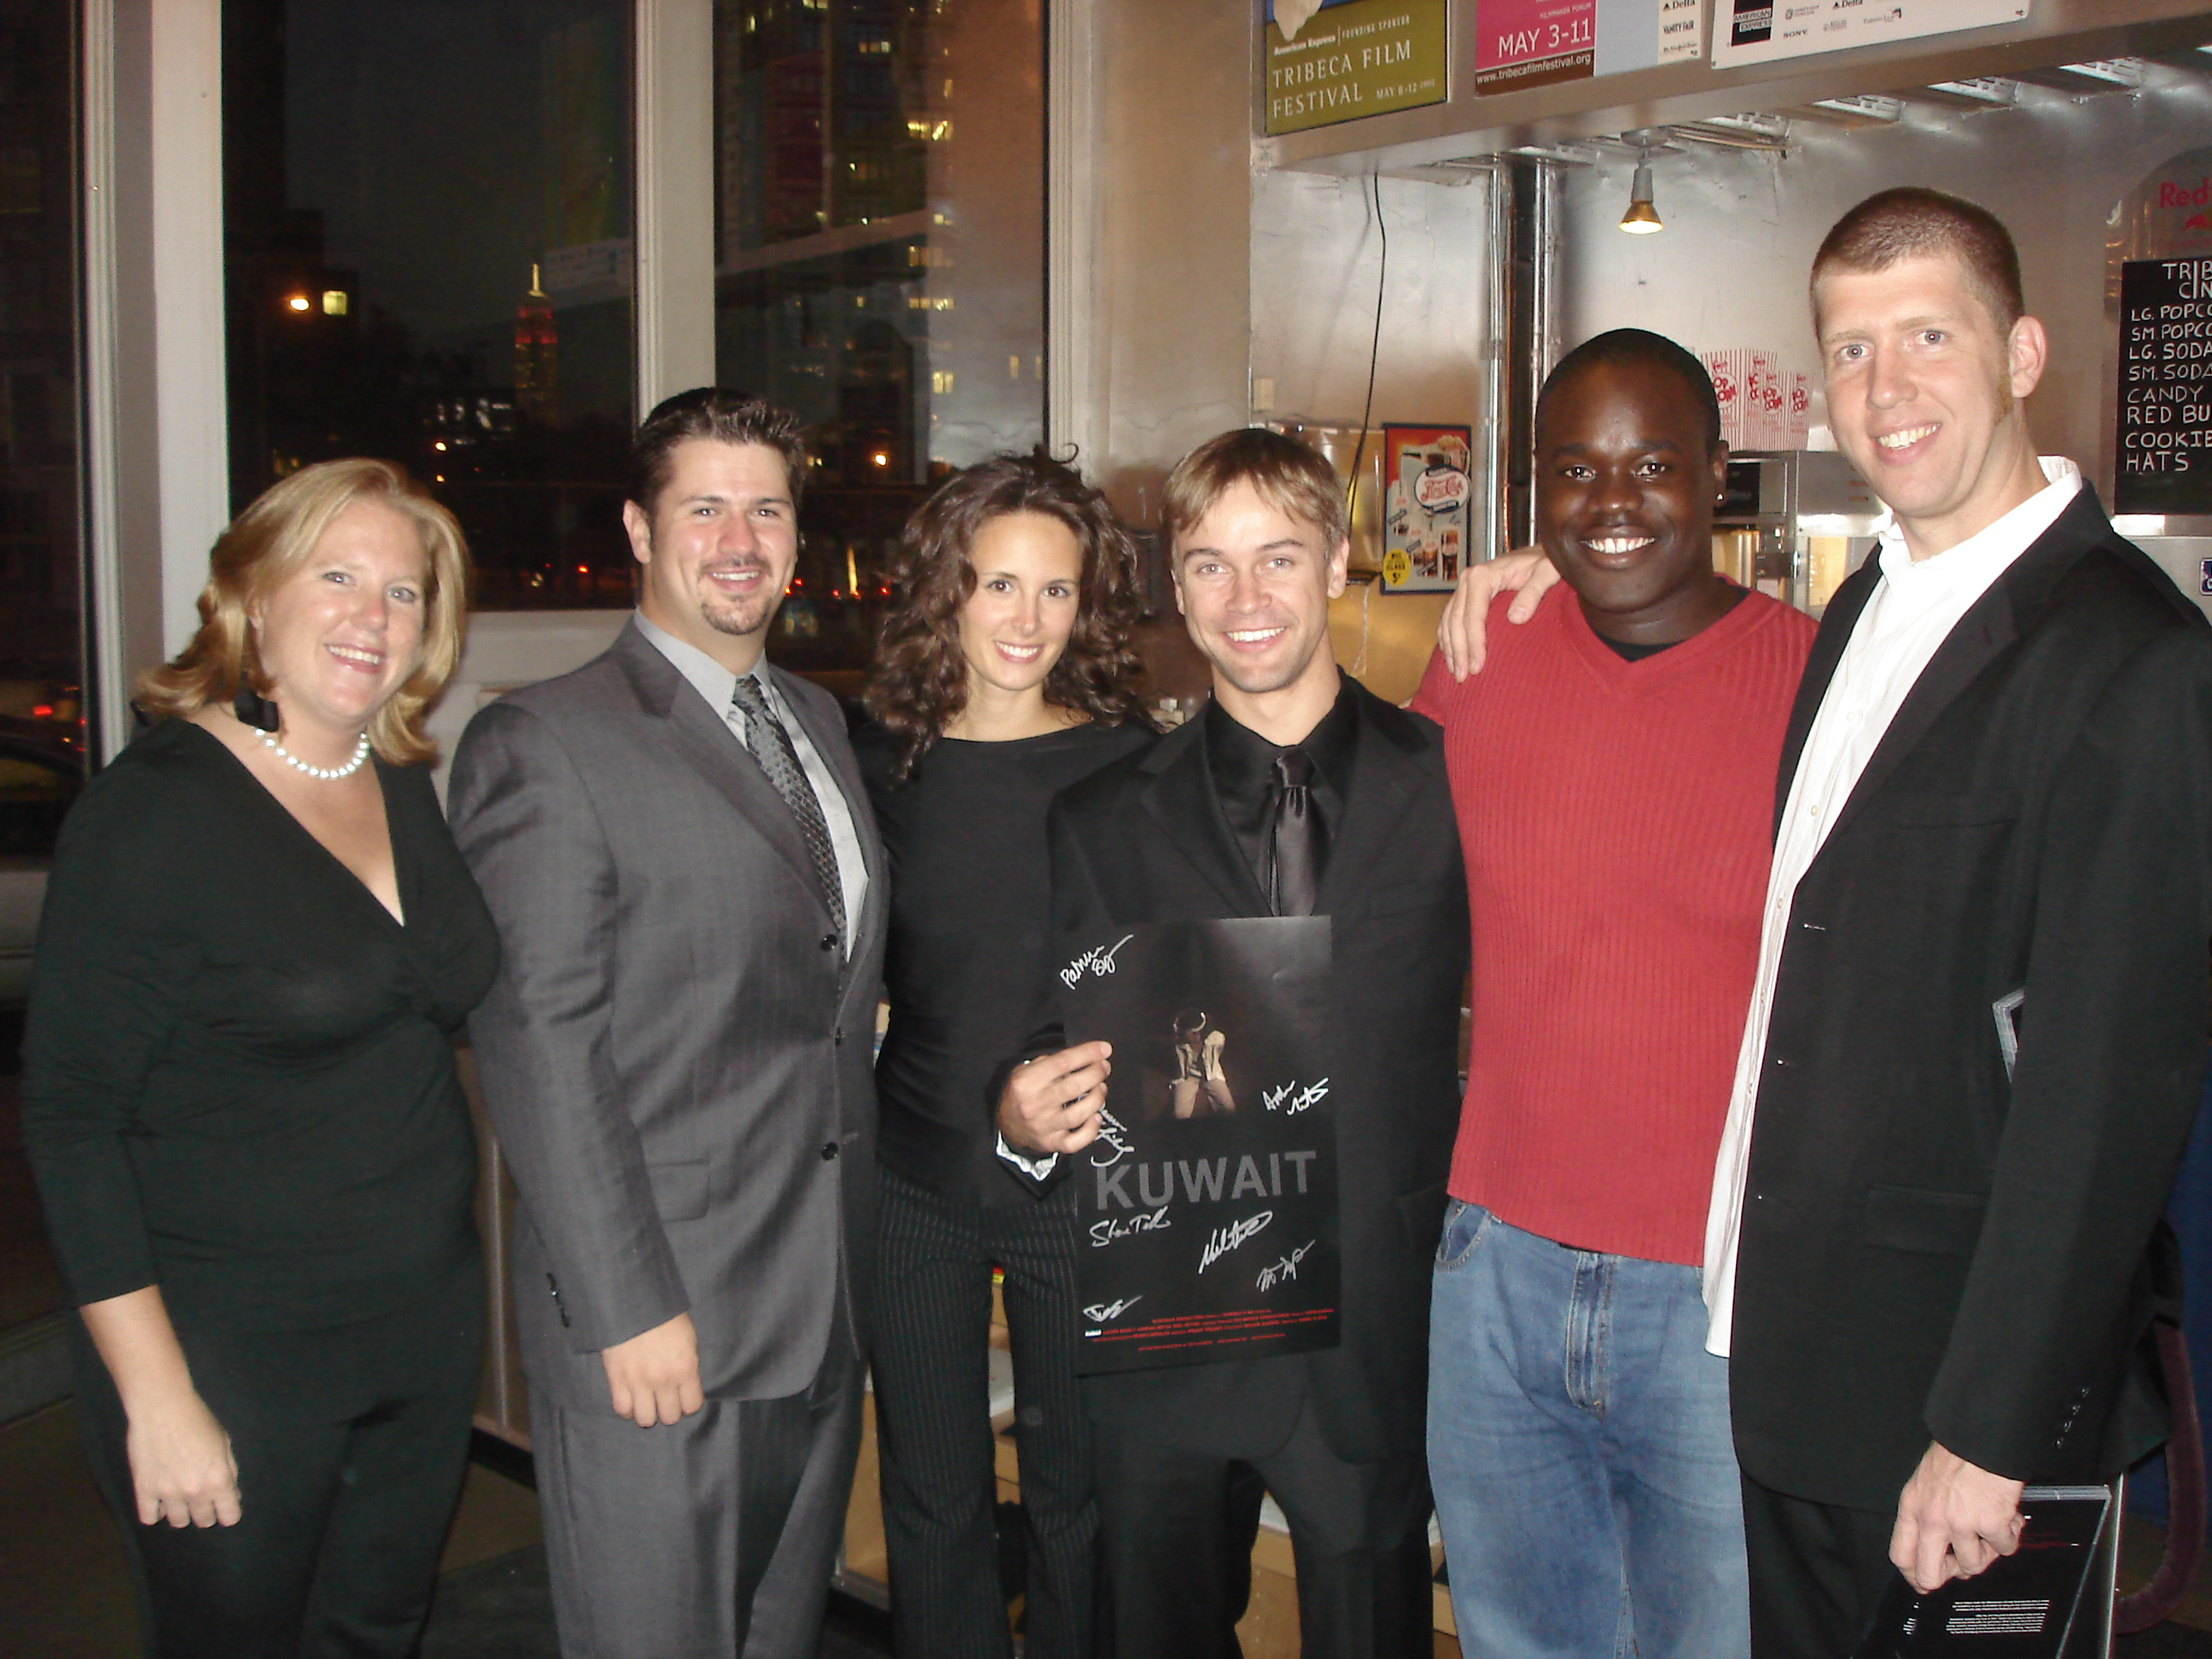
x,y
419,129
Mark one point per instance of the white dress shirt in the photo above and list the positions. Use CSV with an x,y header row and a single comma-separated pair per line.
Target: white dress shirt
x,y
1037,1169
717,685
1911,613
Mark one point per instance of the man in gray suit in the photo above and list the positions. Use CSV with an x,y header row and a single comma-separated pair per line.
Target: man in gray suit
x,y
677,848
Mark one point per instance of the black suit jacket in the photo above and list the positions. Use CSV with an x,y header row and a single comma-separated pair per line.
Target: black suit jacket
x,y
1144,840
1932,1249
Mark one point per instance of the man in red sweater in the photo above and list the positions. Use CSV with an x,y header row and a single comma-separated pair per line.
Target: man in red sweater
x,y
1612,770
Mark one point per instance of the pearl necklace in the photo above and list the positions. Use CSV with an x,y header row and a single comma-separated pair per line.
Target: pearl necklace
x,y
360,756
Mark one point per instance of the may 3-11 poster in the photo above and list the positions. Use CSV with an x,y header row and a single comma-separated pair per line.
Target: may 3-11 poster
x,y
1209,1199
1529,43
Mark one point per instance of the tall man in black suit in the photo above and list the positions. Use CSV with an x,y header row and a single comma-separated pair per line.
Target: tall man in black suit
x,y
1296,792
1976,1040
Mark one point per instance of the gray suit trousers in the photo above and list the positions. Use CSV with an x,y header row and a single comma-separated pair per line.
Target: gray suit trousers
x,y
708,1538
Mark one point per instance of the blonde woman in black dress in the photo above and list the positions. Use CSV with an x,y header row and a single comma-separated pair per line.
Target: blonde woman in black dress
x,y
239,1093
1003,675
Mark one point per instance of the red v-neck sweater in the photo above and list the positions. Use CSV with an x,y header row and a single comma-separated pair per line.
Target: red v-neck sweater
x,y
1618,819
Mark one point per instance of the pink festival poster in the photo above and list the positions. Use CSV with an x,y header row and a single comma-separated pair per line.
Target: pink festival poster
x,y
1528,42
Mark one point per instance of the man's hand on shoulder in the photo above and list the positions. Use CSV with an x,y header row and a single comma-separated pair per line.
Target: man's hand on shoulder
x,y
654,1376
1952,1520
1527,574
1051,1102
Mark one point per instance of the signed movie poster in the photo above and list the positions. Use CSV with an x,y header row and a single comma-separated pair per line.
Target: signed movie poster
x,y
2051,1597
1209,1199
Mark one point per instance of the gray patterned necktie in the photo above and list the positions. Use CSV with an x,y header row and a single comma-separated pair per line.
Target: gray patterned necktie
x,y
771,745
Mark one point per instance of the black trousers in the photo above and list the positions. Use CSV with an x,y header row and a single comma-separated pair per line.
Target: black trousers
x,y
1817,1571
350,1443
932,1319
1177,1530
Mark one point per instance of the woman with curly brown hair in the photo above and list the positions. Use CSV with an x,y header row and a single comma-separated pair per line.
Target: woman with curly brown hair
x,y
1004,675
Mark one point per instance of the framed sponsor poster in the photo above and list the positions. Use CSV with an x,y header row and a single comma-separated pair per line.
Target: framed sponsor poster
x,y
1531,43
1208,1200
1325,61
1427,502
1762,31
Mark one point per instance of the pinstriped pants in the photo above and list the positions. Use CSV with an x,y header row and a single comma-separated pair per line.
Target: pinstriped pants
x,y
931,1328
707,1539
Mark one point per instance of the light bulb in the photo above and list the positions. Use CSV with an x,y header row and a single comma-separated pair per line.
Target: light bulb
x,y
1642,218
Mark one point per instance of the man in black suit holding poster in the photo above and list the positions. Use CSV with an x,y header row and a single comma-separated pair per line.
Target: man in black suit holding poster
x,y
1296,792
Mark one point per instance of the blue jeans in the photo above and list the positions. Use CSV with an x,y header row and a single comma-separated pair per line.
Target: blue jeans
x,y
1580,1453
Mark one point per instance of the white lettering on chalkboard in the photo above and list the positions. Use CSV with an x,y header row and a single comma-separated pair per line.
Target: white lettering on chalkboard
x,y
2164,403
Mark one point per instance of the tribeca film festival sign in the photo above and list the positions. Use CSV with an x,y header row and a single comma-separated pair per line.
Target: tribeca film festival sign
x,y
1325,61
1336,60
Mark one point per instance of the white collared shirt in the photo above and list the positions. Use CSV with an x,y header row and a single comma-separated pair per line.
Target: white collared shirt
x,y
717,685
1911,613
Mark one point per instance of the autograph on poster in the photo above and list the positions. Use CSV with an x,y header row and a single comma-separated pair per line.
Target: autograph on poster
x,y
1209,1199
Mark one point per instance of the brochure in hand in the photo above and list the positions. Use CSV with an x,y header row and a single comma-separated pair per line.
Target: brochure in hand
x,y
2028,1605
1209,1198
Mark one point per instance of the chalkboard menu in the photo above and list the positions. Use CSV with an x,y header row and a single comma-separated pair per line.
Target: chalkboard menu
x,y
2165,409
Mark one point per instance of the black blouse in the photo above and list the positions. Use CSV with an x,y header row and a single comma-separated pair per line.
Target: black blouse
x,y
971,890
238,1079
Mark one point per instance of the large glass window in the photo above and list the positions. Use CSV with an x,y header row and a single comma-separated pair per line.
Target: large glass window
x,y
427,226
41,633
41,616
879,189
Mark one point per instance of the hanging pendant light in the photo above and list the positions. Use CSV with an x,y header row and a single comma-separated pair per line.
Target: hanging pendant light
x,y
1642,218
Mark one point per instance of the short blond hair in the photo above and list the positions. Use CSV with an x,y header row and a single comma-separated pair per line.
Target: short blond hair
x,y
1913,222
268,544
1290,475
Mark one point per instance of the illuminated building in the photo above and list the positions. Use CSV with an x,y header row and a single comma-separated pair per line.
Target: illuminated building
x,y
536,355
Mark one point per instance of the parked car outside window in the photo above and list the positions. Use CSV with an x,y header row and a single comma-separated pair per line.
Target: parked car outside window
x,y
39,779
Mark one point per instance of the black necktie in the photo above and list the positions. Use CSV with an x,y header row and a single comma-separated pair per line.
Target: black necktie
x,y
1296,838
771,746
